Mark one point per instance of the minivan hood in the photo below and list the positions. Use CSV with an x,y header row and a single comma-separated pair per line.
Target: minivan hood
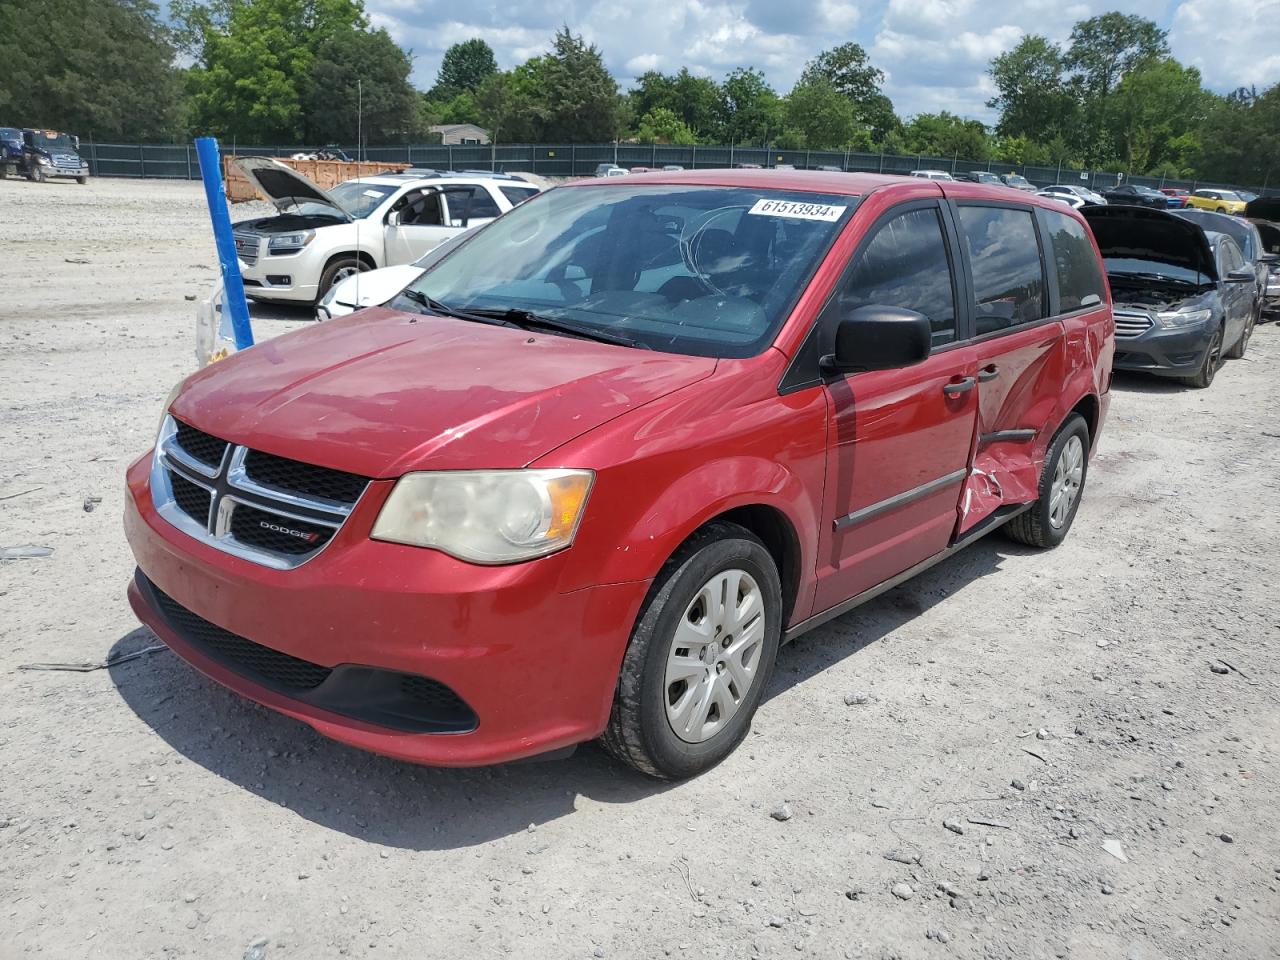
x,y
381,393
1144,233
284,186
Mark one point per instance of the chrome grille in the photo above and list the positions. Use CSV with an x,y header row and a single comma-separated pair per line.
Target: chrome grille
x,y
1132,324
201,485
247,247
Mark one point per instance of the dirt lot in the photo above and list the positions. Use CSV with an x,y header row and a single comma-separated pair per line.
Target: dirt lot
x,y
1066,699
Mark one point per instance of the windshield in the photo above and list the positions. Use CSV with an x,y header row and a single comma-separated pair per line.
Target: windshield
x,y
1016,179
356,198
59,141
1227,195
701,270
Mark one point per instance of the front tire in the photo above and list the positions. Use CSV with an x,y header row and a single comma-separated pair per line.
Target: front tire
x,y
337,271
1203,378
35,174
1066,465
700,655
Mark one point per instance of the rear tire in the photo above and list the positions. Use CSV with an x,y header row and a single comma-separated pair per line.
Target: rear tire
x,y
1203,378
1066,465
337,271
710,626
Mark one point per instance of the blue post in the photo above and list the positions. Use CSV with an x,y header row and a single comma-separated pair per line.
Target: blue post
x,y
233,299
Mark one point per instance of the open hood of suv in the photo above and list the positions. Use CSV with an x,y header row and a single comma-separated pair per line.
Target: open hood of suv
x,y
380,393
1143,233
284,186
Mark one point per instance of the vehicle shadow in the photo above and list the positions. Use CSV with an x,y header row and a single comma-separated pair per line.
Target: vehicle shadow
x,y
1128,381
421,808
287,312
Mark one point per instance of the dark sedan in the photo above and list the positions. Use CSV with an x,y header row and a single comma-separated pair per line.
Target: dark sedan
x,y
1134,195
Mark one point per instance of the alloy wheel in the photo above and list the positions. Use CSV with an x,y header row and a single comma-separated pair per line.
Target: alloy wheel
x,y
714,655
1068,474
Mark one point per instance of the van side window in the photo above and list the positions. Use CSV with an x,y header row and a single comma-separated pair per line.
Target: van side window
x,y
905,265
1007,279
1079,279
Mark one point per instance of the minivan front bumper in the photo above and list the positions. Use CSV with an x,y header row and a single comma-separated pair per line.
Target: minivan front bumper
x,y
496,660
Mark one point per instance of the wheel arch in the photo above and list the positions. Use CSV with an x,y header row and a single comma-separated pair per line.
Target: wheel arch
x,y
364,256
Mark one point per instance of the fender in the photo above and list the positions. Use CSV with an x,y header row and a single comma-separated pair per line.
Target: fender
x,y
658,479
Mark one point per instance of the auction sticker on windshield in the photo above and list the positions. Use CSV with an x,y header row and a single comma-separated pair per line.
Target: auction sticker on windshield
x,y
798,211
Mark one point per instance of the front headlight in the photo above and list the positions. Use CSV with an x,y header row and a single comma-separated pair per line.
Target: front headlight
x,y
1175,318
290,242
45,160
486,516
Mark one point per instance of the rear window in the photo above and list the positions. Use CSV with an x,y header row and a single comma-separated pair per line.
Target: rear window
x,y
518,194
481,204
1079,278
1007,279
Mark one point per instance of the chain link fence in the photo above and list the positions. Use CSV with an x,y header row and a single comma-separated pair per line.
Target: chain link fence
x,y
178,161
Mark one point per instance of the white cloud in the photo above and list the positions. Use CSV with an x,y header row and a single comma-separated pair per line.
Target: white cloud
x,y
1234,43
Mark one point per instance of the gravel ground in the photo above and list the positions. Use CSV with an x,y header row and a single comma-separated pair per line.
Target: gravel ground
x,y
1097,724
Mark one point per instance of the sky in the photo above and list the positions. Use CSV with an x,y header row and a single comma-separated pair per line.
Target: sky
x,y
934,52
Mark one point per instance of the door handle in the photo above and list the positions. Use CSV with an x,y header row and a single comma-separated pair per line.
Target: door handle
x,y
987,374
963,386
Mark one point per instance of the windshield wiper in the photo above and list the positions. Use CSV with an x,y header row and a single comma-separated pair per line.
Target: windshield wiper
x,y
529,320
435,306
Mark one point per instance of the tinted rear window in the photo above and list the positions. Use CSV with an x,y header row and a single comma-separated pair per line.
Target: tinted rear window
x,y
518,194
1007,279
1079,278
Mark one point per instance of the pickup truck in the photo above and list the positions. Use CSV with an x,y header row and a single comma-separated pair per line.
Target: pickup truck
x,y
48,153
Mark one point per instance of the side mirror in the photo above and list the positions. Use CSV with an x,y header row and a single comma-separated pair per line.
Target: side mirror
x,y
877,337
393,218
1242,276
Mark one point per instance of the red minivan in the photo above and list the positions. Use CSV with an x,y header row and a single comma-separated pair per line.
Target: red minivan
x,y
585,475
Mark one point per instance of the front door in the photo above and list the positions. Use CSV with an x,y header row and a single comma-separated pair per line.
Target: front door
x,y
899,440
417,223
1237,298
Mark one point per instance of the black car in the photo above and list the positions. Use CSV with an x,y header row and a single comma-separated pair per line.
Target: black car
x,y
980,176
1183,297
1137,196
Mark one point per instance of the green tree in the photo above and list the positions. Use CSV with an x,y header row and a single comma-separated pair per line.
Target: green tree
x,y
253,61
848,69
579,97
695,100
464,68
820,116
102,69
661,125
946,135
1032,96
750,112
359,72
1154,103
1104,48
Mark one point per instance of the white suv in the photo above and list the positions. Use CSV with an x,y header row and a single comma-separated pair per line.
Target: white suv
x,y
321,237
